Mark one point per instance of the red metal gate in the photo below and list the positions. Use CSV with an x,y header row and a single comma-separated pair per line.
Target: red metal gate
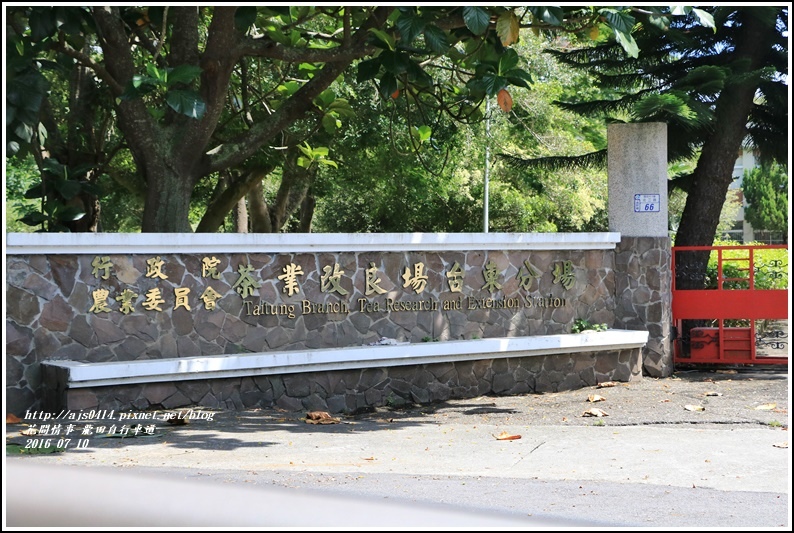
x,y
737,313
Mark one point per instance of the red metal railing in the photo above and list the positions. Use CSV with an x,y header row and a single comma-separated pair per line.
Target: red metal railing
x,y
731,296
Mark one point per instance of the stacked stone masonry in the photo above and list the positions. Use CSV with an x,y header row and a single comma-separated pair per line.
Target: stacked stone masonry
x,y
353,391
49,316
643,289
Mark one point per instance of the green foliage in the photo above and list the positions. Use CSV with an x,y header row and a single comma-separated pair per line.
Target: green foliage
x,y
21,174
56,193
766,191
771,267
314,156
676,78
165,82
580,325
268,79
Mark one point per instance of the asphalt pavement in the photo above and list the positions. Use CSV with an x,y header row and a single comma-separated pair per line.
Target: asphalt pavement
x,y
700,449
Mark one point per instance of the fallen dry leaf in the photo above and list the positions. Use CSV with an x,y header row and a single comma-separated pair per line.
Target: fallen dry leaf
x,y
317,415
766,407
665,400
691,407
781,445
320,417
726,371
594,411
504,435
606,384
595,398
369,458
11,418
323,421
712,393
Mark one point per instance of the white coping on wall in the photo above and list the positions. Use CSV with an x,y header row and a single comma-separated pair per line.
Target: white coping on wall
x,y
82,374
173,243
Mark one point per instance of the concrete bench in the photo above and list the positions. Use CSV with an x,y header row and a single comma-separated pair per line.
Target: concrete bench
x,y
61,375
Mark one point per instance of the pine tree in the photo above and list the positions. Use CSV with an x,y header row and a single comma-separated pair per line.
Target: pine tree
x,y
765,189
717,89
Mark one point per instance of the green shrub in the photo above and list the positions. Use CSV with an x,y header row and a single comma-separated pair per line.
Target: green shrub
x,y
771,267
581,324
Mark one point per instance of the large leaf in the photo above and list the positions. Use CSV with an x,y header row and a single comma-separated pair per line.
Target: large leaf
x,y
342,107
331,123
42,23
476,19
368,69
424,133
69,213
183,74
33,219
24,132
383,38
278,36
508,61
387,85
618,20
395,62
504,100
158,74
36,191
410,25
436,39
507,28
627,42
187,103
244,18
54,167
519,77
325,98
493,83
550,15
289,88
67,188
418,75
704,18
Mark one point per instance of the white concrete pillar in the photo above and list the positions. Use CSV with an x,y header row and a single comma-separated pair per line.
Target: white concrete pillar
x,y
637,179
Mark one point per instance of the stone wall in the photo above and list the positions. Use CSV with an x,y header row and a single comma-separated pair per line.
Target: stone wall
x,y
350,391
62,306
643,289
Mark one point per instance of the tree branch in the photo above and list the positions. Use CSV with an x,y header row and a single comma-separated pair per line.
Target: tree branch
x,y
295,107
115,87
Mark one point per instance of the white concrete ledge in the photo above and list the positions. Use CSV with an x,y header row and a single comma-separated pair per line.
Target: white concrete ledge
x,y
82,374
175,243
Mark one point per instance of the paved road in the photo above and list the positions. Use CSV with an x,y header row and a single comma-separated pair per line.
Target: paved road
x,y
651,462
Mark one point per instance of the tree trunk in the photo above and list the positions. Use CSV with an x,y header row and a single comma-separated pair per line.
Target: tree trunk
x,y
260,215
295,183
227,200
168,193
307,213
714,172
241,217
